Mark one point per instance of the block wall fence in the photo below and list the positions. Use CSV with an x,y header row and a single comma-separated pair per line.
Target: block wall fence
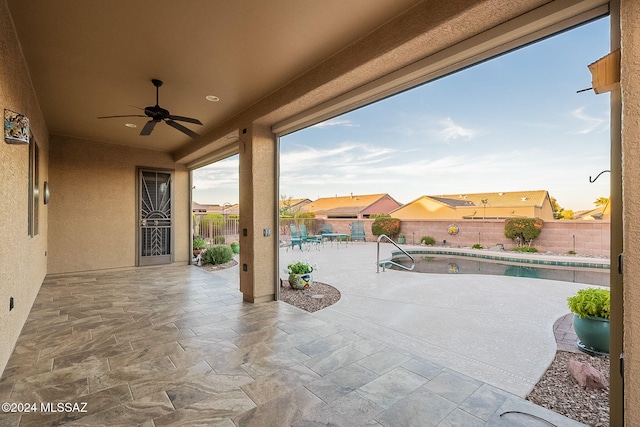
x,y
559,236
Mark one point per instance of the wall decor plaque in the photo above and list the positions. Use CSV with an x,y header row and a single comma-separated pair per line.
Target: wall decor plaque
x,y
16,128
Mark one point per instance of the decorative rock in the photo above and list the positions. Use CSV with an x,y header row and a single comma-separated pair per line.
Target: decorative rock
x,y
587,375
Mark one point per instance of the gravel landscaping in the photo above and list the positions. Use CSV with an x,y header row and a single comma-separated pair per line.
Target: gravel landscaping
x,y
558,391
314,298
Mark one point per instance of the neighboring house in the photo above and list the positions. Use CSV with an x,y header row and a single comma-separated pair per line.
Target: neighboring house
x,y
232,209
226,209
200,209
532,204
292,206
599,213
352,206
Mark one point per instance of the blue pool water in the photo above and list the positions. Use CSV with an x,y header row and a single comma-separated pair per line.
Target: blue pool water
x,y
446,264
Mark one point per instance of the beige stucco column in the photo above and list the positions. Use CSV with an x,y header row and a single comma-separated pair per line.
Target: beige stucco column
x,y
630,92
258,219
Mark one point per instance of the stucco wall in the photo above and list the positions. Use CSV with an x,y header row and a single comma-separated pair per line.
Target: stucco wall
x,y
257,190
630,87
94,202
22,258
384,205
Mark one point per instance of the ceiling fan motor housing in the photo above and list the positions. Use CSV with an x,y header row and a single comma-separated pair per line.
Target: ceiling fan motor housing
x,y
156,112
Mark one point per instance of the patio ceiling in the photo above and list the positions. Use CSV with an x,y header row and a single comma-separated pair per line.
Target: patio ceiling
x,y
286,62
97,58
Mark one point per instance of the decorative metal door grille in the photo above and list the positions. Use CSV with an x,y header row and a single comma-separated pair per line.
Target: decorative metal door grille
x,y
155,215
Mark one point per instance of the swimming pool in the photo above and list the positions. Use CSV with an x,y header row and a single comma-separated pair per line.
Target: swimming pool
x,y
460,264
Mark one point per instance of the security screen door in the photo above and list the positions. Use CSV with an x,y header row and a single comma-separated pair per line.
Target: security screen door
x,y
155,209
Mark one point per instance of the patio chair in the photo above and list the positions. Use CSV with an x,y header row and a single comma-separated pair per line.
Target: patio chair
x,y
306,238
326,229
296,239
357,231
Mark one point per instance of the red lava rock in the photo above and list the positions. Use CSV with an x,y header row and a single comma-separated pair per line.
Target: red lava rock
x,y
587,375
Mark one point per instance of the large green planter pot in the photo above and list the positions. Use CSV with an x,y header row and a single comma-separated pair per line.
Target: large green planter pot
x,y
300,281
593,333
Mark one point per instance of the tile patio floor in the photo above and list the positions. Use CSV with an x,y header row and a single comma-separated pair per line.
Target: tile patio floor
x,y
174,345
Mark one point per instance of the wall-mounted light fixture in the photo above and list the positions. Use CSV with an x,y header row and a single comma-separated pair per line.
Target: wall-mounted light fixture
x,y
47,193
16,128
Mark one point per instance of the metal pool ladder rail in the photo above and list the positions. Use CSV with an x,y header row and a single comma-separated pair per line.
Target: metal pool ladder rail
x,y
389,261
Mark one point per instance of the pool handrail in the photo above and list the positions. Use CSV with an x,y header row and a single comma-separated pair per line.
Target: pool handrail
x,y
390,261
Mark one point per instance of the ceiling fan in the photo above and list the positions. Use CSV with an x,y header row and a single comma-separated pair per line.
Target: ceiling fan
x,y
158,114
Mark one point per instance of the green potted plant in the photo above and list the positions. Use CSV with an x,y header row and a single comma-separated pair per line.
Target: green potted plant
x,y
401,238
198,245
300,274
235,247
591,308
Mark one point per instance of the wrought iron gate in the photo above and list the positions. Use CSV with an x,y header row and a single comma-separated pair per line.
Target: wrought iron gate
x,y
155,218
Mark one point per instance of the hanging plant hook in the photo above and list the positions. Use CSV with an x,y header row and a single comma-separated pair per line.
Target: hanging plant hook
x,y
596,178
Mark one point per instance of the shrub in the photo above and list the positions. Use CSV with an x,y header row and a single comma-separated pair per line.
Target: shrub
x,y
385,225
218,240
571,252
477,246
304,215
308,219
522,230
199,243
427,240
380,215
593,302
217,220
525,249
218,254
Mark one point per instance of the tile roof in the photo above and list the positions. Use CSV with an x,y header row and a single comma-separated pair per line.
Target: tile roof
x,y
292,202
500,199
351,203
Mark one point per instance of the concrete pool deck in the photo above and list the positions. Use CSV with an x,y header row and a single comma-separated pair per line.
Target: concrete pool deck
x,y
497,329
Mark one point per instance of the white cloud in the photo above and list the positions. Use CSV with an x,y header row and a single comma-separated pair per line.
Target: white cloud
x,y
591,124
452,130
346,155
222,174
336,122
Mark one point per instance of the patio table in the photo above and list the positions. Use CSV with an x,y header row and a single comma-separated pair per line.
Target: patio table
x,y
340,236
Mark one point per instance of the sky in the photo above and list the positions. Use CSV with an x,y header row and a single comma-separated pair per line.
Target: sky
x,y
513,123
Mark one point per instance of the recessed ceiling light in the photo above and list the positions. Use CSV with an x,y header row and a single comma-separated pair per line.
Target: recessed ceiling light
x,y
212,98
131,125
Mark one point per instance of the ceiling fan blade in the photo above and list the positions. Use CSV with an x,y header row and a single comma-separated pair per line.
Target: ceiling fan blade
x,y
146,130
185,119
182,129
126,115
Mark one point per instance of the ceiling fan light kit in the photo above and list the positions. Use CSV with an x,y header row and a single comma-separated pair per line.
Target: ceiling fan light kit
x,y
158,114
